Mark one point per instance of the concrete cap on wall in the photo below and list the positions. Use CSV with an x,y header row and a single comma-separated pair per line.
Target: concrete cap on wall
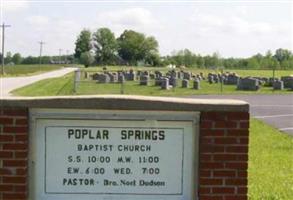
x,y
126,102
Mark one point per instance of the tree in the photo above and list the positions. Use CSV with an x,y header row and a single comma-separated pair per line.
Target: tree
x,y
16,58
87,58
134,46
105,46
8,57
83,43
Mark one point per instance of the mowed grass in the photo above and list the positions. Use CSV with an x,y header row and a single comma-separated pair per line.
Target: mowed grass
x,y
88,87
25,70
48,87
242,73
270,174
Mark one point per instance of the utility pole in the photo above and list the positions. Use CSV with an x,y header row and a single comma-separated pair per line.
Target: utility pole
x,y
3,26
67,55
60,51
41,49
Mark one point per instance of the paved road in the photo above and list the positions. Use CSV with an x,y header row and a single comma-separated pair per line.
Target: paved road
x,y
11,83
276,110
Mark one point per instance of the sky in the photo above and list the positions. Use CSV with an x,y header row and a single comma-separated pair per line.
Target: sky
x,y
231,28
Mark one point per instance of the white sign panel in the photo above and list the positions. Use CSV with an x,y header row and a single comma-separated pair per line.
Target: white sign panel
x,y
112,158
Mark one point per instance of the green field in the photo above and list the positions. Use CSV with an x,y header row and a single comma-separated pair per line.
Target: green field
x,y
64,86
25,70
270,174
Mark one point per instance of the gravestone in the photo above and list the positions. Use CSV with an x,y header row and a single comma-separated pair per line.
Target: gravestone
x,y
185,83
173,81
144,80
248,84
158,81
288,81
196,84
278,85
187,75
103,78
121,78
165,84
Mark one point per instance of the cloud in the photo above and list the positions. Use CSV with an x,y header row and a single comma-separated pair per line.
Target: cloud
x,y
10,5
237,25
37,20
138,19
130,17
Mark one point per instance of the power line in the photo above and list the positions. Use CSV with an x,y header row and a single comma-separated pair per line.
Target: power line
x,y
3,26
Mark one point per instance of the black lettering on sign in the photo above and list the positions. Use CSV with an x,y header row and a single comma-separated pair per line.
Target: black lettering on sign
x,y
142,135
88,134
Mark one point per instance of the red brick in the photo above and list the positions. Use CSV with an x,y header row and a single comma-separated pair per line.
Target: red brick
x,y
242,157
211,149
21,138
6,188
238,115
210,181
215,116
14,179
206,124
15,146
236,197
204,190
236,165
23,121
237,149
223,190
242,174
206,157
205,197
6,138
6,154
244,125
229,140
5,171
14,163
6,120
242,190
14,112
21,154
224,173
235,182
225,124
225,157
11,129
235,132
214,133
206,140
21,171
205,173
211,165
15,196
244,141
20,188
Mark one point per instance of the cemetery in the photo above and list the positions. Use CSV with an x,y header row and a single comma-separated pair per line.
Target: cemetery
x,y
179,79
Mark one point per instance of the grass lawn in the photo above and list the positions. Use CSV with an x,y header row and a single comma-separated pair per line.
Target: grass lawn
x,y
64,86
25,70
243,73
270,174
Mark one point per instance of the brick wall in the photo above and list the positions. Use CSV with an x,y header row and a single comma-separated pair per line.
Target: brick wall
x,y
13,154
223,153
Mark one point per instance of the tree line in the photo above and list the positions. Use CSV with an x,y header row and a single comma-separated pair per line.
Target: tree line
x,y
132,48
102,48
